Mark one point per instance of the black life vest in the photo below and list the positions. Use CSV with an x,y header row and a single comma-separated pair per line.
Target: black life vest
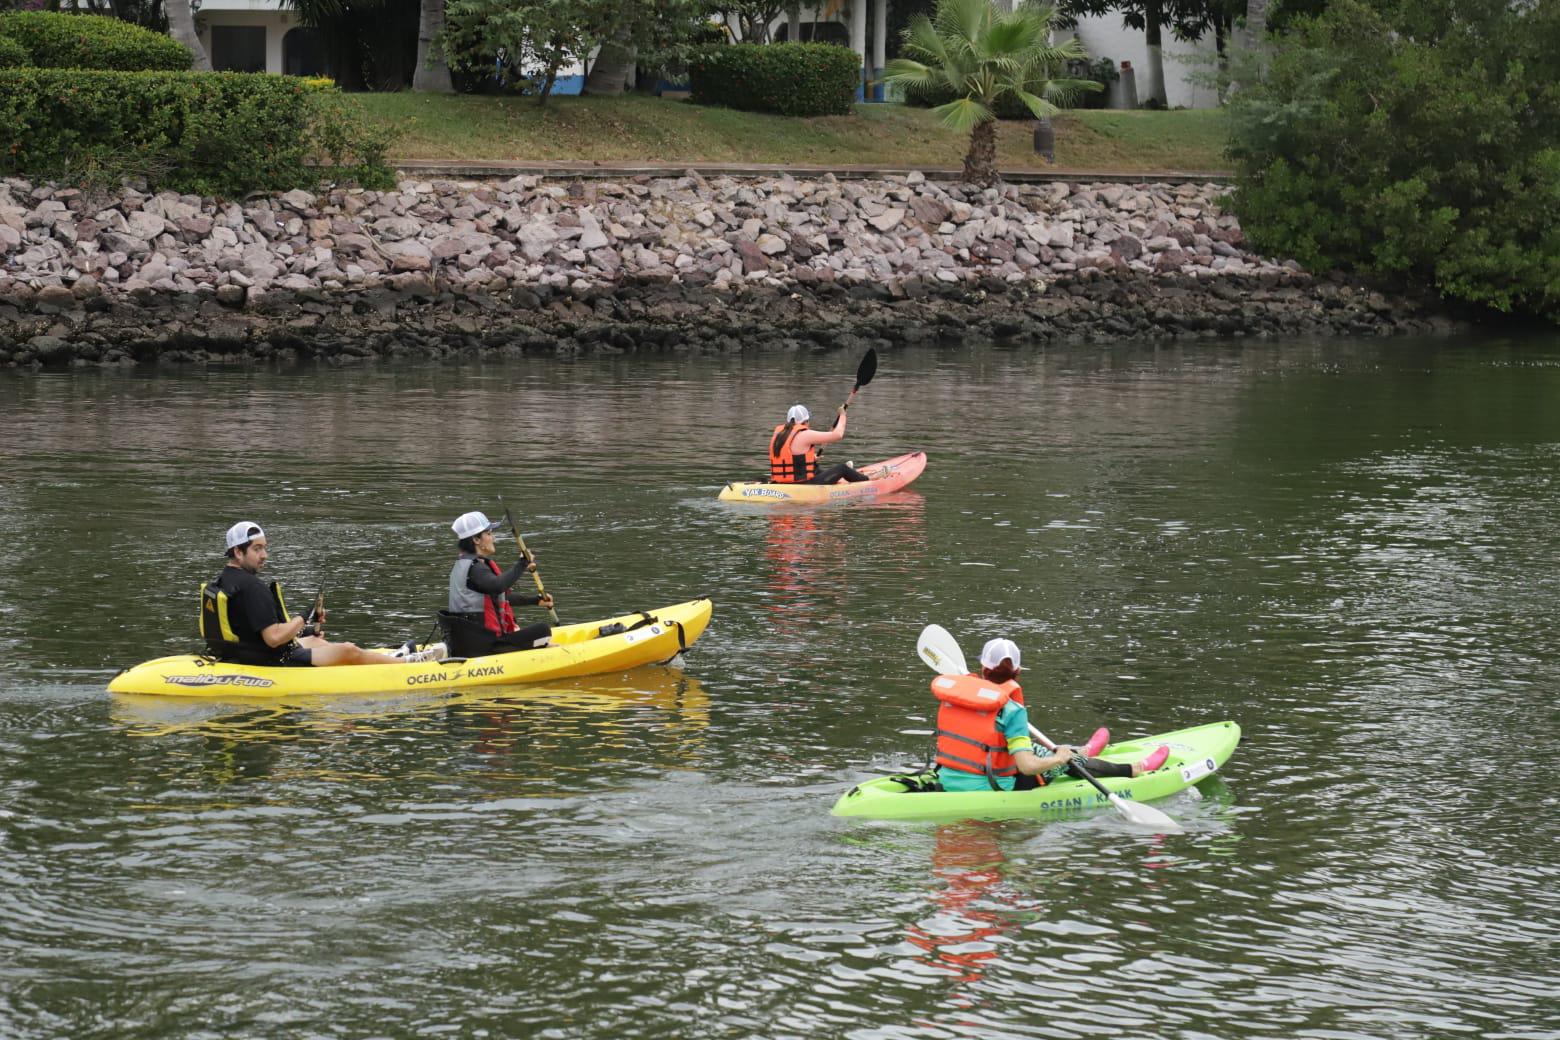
x,y
216,626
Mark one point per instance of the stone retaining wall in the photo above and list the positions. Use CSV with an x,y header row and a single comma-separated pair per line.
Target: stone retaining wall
x,y
653,263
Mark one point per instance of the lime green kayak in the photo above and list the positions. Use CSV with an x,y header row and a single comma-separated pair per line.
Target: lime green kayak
x,y
1195,755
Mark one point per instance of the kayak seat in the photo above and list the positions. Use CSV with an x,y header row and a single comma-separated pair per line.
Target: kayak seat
x,y
463,636
918,783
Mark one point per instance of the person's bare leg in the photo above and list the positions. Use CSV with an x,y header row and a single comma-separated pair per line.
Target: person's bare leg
x,y
327,655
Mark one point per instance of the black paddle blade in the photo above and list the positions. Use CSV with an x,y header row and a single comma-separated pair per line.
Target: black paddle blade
x,y
867,369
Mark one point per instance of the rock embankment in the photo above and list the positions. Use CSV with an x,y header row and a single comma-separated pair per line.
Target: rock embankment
x,y
560,266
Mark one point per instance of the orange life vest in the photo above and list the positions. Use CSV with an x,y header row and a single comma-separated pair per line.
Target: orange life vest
x,y
785,466
967,735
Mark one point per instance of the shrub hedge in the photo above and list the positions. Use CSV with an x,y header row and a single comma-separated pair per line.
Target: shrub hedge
x,y
12,54
1401,143
789,79
210,133
84,41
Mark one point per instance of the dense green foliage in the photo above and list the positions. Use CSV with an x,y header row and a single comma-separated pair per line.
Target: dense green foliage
x,y
12,54
82,41
369,44
788,79
208,133
523,45
1421,144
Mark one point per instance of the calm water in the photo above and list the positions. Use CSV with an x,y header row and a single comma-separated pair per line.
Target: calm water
x,y
1351,549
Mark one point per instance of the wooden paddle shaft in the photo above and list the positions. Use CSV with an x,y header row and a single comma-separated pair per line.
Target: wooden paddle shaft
x,y
536,575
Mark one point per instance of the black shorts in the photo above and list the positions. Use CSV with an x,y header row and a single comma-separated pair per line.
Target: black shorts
x,y
298,657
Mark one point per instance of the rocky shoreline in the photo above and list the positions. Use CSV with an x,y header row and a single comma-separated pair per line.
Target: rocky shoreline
x,y
564,267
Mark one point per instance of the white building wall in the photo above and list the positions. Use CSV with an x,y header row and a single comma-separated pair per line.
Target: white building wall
x,y
263,13
1105,37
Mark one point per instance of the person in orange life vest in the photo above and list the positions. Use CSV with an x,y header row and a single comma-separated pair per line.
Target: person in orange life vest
x,y
793,451
983,733
482,597
249,624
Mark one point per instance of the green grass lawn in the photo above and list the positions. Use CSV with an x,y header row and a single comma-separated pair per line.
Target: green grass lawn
x,y
649,129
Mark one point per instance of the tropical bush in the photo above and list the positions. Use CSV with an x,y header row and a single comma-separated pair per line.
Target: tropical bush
x,y
222,133
789,79
1422,145
980,58
83,41
1088,78
12,54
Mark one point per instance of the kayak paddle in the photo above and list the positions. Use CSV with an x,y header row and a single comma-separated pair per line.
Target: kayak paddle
x,y
319,606
940,650
536,575
864,373
1132,812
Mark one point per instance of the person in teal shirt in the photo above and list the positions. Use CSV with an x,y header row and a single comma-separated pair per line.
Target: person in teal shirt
x,y
999,661
1012,723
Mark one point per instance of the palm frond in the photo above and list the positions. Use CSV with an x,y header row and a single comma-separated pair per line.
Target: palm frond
x,y
913,74
963,115
1039,106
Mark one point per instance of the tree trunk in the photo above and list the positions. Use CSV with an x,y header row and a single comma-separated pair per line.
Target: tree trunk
x,y
181,26
432,74
1156,55
609,74
980,165
1256,22
547,85
793,24
1249,40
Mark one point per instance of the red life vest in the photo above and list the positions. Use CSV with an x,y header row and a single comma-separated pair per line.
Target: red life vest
x,y
785,466
500,619
967,736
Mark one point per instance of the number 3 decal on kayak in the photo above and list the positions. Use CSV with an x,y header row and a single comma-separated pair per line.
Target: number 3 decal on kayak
x,y
643,633
1195,771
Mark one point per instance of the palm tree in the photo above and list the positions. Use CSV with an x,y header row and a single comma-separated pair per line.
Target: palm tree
x,y
1250,39
614,61
181,26
432,74
982,56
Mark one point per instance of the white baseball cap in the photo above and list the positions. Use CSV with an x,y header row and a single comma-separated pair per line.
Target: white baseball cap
x,y
798,413
998,650
241,532
473,523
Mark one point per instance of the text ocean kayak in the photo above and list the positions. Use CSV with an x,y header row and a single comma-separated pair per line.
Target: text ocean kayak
x,y
648,637
1195,754
887,477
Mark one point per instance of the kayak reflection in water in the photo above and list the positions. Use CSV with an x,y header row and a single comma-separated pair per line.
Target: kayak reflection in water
x,y
974,909
983,740
481,617
244,620
793,451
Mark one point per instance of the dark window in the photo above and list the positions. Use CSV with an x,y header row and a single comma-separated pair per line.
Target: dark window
x,y
303,53
238,48
815,32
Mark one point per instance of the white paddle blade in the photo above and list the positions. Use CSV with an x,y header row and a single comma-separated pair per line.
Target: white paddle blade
x,y
940,650
1145,816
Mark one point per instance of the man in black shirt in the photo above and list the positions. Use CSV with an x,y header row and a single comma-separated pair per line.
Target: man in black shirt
x,y
253,617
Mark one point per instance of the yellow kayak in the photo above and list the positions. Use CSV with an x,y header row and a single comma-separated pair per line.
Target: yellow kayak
x,y
648,637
